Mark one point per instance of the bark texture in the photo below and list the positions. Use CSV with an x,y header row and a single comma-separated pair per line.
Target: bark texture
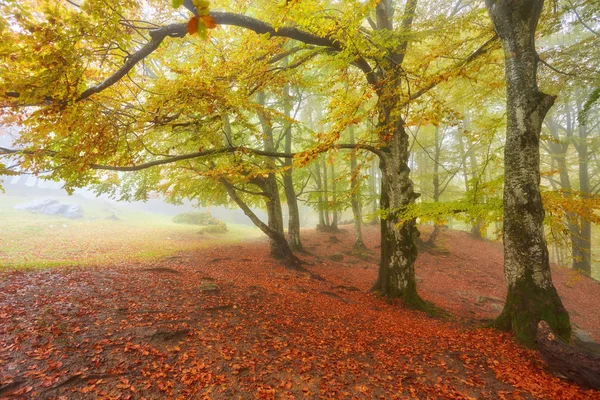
x,y
531,293
396,276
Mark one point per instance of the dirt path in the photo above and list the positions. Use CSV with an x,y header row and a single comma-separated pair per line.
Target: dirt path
x,y
231,323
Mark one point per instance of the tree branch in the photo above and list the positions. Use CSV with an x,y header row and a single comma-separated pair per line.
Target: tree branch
x,y
157,35
480,51
189,156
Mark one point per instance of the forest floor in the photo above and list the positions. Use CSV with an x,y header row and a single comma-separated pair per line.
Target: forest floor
x,y
228,322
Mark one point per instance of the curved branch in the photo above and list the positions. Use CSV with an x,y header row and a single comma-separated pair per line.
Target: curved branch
x,y
157,35
189,156
223,18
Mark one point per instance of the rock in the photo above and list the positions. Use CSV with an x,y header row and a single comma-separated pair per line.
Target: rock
x,y
485,299
208,287
582,335
51,206
336,257
498,307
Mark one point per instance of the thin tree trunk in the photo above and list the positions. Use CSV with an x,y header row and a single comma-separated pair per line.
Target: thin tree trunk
x,y
269,184
288,181
319,187
531,295
584,260
284,251
334,217
326,204
374,187
355,196
436,185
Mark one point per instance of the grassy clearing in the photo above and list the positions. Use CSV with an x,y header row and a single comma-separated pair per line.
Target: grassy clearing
x,y
30,241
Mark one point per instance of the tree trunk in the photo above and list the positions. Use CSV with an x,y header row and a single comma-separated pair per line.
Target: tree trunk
x,y
436,185
557,148
288,181
274,213
374,191
269,184
396,276
326,204
319,184
583,261
355,196
531,295
334,216
284,251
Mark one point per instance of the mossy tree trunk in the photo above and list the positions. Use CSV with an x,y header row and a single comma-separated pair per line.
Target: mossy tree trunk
x,y
531,295
396,276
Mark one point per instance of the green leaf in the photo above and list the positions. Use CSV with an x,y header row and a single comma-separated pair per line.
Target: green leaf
x,y
177,3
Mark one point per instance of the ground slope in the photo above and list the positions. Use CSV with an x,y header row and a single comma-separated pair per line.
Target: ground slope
x,y
229,322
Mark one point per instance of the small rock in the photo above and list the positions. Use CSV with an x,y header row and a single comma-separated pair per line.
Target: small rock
x,y
497,307
208,287
51,206
582,335
336,257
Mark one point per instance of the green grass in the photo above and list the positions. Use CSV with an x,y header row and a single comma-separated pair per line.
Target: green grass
x,y
31,241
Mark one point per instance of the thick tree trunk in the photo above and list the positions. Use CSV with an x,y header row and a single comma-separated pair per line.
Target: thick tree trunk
x,y
398,249
531,294
274,211
355,196
288,182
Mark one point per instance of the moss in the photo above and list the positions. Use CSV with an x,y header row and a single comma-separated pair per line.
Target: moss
x,y
526,305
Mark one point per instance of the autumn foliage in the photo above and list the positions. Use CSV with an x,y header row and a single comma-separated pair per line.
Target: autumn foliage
x,y
214,324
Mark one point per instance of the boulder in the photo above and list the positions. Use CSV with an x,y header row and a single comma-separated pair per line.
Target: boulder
x,y
51,206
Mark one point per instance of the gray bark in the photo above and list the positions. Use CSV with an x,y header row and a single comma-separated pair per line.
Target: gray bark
x,y
531,293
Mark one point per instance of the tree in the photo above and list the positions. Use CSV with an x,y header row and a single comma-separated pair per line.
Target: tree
x,y
392,74
531,295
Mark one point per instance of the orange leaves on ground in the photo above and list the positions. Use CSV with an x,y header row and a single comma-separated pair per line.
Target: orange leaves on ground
x,y
262,331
